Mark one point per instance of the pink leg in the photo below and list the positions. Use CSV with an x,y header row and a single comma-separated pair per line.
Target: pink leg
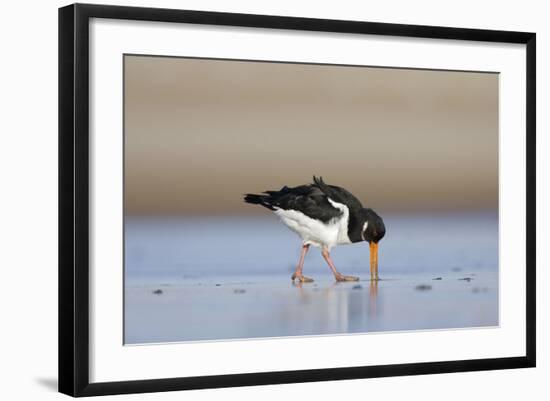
x,y
338,276
298,273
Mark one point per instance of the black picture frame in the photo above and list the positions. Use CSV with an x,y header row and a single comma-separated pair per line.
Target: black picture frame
x,y
74,191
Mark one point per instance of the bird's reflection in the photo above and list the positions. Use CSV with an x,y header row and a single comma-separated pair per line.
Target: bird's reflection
x,y
373,295
298,284
304,291
332,307
307,289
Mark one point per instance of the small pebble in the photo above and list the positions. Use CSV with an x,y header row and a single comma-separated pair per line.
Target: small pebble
x,y
157,291
437,278
217,285
239,291
423,287
466,279
356,287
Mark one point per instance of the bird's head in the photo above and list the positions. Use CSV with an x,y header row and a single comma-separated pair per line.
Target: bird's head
x,y
373,231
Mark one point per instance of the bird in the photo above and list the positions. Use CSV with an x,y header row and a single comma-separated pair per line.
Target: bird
x,y
324,216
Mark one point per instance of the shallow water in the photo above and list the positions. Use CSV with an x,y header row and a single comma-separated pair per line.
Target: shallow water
x,y
229,278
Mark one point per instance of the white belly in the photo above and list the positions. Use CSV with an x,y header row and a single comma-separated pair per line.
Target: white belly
x,y
315,232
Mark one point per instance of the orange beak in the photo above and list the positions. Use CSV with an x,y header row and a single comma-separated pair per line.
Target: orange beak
x,y
373,261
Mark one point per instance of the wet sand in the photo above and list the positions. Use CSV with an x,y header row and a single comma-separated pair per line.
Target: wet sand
x,y
271,306
203,279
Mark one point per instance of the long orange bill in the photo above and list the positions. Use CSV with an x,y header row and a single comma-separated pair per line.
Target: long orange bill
x,y
373,261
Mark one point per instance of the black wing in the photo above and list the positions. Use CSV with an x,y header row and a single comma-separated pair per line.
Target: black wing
x,y
308,199
338,194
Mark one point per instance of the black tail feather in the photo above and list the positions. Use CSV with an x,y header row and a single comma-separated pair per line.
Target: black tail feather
x,y
255,199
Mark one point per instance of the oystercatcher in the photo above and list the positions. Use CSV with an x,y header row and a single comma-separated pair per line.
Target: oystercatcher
x,y
324,216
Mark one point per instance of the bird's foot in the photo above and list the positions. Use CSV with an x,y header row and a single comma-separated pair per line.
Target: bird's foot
x,y
342,277
301,278
374,278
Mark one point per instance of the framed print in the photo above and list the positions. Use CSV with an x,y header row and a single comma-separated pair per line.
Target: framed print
x,y
251,199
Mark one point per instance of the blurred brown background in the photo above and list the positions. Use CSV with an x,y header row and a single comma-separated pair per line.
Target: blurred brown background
x,y
200,133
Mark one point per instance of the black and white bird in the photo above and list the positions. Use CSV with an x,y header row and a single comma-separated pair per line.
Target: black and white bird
x,y
324,216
